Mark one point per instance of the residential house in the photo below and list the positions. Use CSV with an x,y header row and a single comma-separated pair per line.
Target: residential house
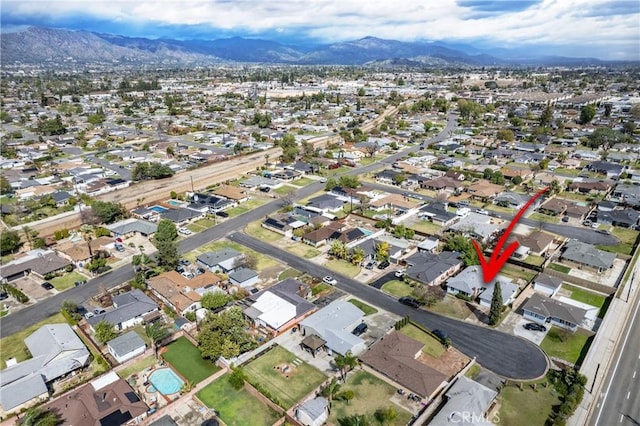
x,y
553,206
130,227
61,198
182,294
325,203
470,283
244,277
592,187
314,412
126,346
437,213
508,291
280,306
36,262
433,269
55,351
260,182
396,356
181,215
587,255
334,324
225,260
282,224
107,400
538,243
465,400
484,190
479,226
627,218
512,200
129,309
611,170
543,310
233,193
429,245
207,203
397,247
388,176
627,195
547,285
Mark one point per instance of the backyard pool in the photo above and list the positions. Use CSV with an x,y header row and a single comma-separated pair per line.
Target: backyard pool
x,y
174,203
165,381
158,209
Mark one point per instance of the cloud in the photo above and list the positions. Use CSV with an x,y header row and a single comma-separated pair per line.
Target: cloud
x,y
574,24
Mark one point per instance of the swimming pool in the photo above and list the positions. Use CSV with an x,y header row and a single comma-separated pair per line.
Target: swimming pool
x,y
158,209
174,203
165,381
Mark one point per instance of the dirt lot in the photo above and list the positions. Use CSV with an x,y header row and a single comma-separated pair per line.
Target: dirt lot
x,y
449,363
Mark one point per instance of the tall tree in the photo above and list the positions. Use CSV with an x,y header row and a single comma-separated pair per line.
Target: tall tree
x,y
165,242
157,332
105,331
495,312
9,241
587,113
346,362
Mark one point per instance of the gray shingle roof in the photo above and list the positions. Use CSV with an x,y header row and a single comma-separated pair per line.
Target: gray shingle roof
x,y
126,343
548,307
128,306
426,267
586,254
468,397
133,225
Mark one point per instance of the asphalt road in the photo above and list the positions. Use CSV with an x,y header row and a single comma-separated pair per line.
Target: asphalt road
x,y
620,404
504,354
123,172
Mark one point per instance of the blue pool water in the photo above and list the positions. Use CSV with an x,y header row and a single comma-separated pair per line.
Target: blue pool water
x,y
158,209
174,203
166,381
365,231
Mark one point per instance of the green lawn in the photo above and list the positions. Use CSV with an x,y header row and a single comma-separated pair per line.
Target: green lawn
x,y
576,196
245,207
518,272
544,217
618,248
256,230
560,268
452,307
284,189
572,349
397,288
585,296
264,262
137,366
186,358
427,227
500,209
473,371
527,406
13,346
371,393
534,259
303,250
303,181
368,310
300,379
67,280
289,273
193,227
342,267
236,407
432,346
320,288
627,238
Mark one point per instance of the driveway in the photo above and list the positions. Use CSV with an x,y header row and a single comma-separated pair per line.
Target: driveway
x,y
514,324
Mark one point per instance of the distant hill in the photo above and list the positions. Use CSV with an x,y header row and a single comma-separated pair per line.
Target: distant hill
x,y
45,45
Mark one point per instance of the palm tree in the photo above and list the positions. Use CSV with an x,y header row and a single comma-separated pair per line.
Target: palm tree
x,y
357,255
40,417
266,158
331,390
382,251
157,332
345,363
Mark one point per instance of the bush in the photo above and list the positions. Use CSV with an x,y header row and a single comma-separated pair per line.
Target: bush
x,y
463,297
191,316
237,378
16,293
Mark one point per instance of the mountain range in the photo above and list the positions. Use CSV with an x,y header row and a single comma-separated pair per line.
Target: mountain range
x,y
37,45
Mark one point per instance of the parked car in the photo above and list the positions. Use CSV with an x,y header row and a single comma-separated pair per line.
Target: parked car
x,y
360,329
595,225
98,311
409,301
369,265
587,223
533,326
4,295
482,211
330,280
442,335
400,273
384,264
151,273
119,247
184,231
80,282
603,231
88,315
222,214
47,285
323,180
565,219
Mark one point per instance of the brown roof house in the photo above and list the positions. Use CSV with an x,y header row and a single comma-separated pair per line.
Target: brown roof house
x,y
537,242
38,262
485,190
107,400
395,356
232,193
183,294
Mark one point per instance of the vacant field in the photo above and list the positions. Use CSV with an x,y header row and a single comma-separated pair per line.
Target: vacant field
x,y
527,406
368,310
566,345
186,358
289,386
67,280
518,272
432,346
236,407
256,230
284,189
371,393
13,346
302,250
342,267
137,366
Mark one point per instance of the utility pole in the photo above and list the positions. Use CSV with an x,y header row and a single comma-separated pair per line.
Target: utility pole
x,y
192,190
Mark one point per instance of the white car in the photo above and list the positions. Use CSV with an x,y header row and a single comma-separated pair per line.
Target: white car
x,y
482,211
330,280
400,273
184,231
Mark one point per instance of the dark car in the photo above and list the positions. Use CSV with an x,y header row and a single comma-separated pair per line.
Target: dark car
x,y
47,285
80,282
360,328
565,219
535,327
151,273
222,214
3,295
369,265
442,335
409,301
384,264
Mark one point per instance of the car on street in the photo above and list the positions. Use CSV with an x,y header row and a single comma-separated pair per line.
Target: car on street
x,y
400,273
323,180
330,280
482,211
98,311
80,282
184,231
535,326
360,329
603,231
409,301
47,285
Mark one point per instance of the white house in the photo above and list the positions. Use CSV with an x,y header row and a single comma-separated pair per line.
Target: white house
x,y
313,412
507,288
334,324
129,309
126,346
547,284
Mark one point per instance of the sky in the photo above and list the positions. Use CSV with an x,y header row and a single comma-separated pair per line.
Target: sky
x,y
606,29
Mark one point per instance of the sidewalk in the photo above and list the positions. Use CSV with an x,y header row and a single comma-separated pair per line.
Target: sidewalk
x,y
602,351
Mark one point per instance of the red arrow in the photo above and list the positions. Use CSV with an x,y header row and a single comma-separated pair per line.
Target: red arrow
x,y
491,268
